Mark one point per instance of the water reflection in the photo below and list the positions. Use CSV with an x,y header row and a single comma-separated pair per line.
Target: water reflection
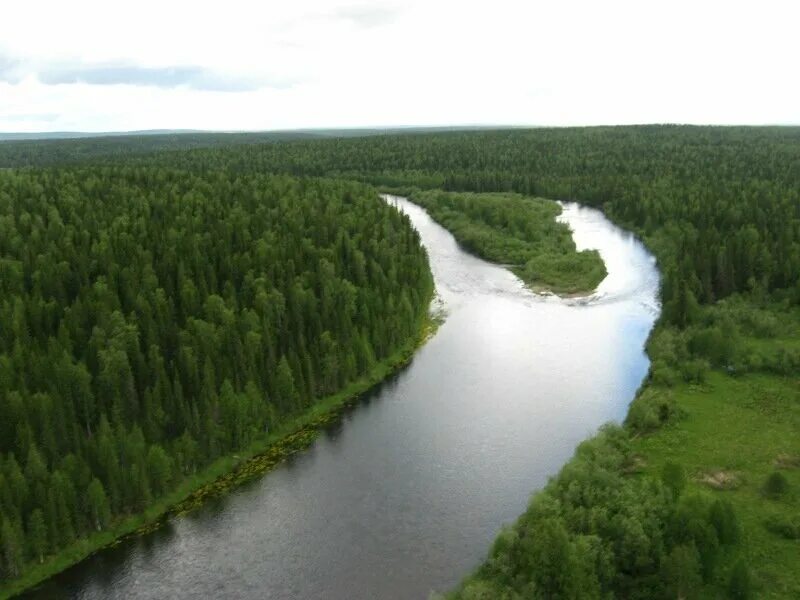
x,y
405,494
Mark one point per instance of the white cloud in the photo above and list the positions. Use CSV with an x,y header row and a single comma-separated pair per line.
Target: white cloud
x,y
309,63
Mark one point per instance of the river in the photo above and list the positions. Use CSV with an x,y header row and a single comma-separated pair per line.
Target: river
x,y
405,495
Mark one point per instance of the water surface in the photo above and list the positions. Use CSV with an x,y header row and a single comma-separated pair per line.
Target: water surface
x,y
405,495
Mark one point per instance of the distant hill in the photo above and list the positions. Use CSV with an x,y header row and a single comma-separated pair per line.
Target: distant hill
x,y
58,148
68,135
284,134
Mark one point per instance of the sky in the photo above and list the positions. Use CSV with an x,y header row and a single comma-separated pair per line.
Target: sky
x,y
96,65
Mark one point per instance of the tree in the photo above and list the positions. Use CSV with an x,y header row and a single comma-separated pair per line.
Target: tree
x,y
680,572
37,535
724,520
285,391
159,468
674,477
11,548
97,502
549,558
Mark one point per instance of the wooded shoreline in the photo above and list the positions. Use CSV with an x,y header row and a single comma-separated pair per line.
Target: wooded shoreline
x,y
230,471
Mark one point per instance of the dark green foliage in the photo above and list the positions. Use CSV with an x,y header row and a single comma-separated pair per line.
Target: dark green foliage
x,y
776,485
37,535
97,504
787,528
155,320
725,522
729,335
71,151
11,548
650,410
719,206
548,557
690,524
740,586
680,572
674,477
518,231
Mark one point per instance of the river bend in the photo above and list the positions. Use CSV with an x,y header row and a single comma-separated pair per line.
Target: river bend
x,y
405,495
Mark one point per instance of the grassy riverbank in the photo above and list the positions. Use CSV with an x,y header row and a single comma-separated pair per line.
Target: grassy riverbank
x,y
520,232
729,382
733,434
229,471
715,427
697,495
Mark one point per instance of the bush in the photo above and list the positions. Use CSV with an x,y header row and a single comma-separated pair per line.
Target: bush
x,y
662,374
695,371
740,587
776,485
718,343
786,528
651,410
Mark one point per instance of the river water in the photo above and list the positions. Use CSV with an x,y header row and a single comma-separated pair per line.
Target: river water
x,y
405,495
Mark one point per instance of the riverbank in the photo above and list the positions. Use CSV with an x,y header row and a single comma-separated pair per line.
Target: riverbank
x,y
354,508
716,423
733,434
230,471
729,382
720,409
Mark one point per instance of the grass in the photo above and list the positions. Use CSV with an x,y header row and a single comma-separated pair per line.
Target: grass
x,y
227,472
743,429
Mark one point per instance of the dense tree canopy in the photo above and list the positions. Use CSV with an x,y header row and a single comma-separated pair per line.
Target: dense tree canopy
x,y
157,316
720,206
154,320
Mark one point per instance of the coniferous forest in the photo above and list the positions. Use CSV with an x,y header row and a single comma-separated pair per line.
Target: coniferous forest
x,y
163,305
154,320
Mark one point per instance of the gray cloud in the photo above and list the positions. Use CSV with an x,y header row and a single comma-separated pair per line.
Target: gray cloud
x,y
194,77
198,78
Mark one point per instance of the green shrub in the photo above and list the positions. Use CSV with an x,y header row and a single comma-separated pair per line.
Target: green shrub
x,y
695,371
786,528
776,485
664,375
651,410
740,587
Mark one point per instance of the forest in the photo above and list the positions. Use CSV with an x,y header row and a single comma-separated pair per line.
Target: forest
x,y
695,495
719,206
154,320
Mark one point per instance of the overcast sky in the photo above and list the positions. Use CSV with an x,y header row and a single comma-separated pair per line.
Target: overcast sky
x,y
100,65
